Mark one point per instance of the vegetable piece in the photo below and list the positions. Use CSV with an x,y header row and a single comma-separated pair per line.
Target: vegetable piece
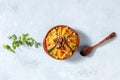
x,y
62,52
66,54
71,36
69,47
51,49
49,44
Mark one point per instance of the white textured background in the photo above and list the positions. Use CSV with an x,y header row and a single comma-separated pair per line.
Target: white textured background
x,y
93,19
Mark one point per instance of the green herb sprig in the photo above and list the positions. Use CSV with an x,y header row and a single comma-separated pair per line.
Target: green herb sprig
x,y
24,39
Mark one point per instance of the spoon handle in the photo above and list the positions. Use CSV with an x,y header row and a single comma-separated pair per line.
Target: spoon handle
x,y
112,35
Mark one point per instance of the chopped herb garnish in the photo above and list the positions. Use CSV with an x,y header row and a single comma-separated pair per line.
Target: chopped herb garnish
x,y
8,48
21,40
37,44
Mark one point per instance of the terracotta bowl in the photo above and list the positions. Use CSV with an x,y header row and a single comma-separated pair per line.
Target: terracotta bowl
x,y
61,42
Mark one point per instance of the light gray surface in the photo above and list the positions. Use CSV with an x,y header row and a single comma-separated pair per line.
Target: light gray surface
x,y
93,19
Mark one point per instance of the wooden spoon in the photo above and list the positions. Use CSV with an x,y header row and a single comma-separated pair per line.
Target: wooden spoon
x,y
87,50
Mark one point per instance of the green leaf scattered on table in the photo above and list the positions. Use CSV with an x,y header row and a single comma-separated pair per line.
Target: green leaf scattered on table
x,y
24,39
8,48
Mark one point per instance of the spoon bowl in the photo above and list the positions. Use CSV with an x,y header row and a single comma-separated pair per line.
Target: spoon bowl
x,y
87,50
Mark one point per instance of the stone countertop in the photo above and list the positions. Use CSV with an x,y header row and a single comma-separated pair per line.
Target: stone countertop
x,y
92,19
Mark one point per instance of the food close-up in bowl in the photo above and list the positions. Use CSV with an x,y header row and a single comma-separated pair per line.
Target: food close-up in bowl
x,y
61,42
